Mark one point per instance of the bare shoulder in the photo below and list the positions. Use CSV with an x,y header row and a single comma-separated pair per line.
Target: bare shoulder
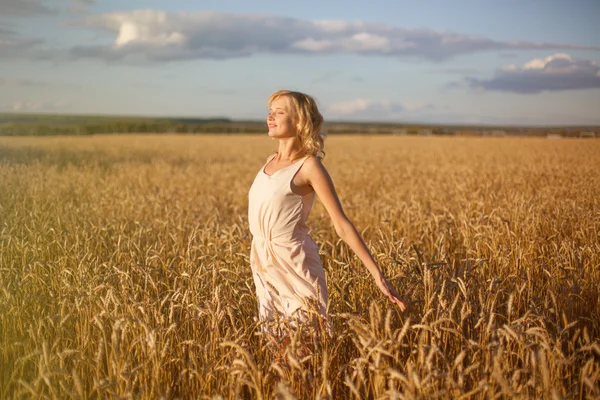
x,y
318,177
315,170
313,163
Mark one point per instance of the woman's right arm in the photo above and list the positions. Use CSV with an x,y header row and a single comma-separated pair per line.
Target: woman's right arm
x,y
321,182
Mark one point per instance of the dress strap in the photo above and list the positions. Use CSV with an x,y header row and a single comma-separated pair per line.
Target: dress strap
x,y
297,166
269,160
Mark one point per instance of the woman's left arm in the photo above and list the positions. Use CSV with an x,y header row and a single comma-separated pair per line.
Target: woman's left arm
x,y
321,182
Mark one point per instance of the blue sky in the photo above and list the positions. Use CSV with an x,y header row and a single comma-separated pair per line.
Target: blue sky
x,y
512,62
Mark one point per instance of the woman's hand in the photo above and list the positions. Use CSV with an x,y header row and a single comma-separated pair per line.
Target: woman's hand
x,y
390,292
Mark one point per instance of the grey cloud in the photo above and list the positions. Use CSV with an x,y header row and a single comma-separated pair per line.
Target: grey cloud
x,y
460,71
6,32
24,8
145,52
15,45
32,8
554,73
80,6
152,35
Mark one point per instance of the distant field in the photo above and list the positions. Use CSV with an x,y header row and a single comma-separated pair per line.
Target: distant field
x,y
124,269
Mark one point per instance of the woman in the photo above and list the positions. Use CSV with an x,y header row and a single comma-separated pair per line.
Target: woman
x,y
287,270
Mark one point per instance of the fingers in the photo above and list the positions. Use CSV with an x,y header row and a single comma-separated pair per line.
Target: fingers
x,y
401,305
393,295
396,300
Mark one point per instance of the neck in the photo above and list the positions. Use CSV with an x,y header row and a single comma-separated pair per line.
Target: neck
x,y
288,150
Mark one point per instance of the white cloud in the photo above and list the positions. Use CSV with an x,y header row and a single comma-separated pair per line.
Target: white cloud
x,y
362,108
541,63
350,107
155,35
37,106
132,33
553,73
313,45
364,41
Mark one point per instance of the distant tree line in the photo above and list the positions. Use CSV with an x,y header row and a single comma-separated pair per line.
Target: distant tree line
x,y
110,127
49,125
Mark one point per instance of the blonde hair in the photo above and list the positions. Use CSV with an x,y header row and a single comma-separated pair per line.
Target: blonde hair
x,y
308,120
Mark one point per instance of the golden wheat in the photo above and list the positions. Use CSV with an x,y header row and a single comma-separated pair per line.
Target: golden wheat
x,y
124,270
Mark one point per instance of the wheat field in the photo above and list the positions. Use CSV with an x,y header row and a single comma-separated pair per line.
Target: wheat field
x,y
124,270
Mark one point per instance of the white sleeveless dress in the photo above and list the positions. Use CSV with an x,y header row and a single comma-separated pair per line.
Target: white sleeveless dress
x,y
285,262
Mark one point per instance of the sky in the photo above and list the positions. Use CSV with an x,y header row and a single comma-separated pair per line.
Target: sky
x,y
526,62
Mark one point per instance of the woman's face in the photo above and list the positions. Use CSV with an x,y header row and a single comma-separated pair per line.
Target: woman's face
x,y
280,121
